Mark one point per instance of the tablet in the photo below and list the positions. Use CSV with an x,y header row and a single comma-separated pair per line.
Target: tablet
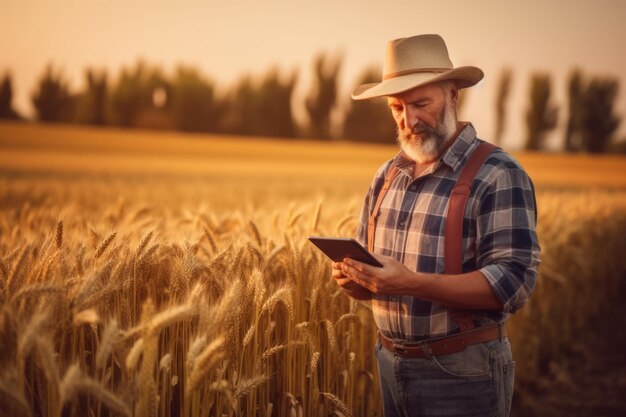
x,y
339,248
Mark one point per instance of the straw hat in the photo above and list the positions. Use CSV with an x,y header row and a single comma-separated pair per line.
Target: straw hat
x,y
415,61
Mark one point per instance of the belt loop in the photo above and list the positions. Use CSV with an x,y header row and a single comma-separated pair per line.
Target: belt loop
x,y
428,353
501,331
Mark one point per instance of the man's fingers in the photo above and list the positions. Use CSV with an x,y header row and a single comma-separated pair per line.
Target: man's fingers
x,y
342,282
357,276
337,273
360,266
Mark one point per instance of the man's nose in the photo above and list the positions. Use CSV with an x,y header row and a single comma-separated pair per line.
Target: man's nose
x,y
410,118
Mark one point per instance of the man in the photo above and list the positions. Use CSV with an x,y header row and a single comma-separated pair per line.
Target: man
x,y
442,347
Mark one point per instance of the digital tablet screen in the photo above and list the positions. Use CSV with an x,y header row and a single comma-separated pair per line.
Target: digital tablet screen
x,y
338,248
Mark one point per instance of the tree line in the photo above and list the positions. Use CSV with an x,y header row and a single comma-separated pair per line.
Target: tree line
x,y
591,121
144,96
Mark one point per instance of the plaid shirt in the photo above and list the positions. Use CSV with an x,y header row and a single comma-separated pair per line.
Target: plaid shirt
x,y
499,237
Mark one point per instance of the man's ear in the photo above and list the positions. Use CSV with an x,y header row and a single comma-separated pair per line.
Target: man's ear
x,y
454,95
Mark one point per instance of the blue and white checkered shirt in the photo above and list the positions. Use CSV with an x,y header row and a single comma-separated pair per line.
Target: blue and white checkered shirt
x,y
499,236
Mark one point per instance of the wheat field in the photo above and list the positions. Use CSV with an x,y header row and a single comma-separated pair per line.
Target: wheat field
x,y
150,274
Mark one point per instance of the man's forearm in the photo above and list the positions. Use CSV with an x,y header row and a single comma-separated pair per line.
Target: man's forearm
x,y
470,290
467,291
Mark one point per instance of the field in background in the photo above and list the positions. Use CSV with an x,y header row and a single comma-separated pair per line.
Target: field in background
x,y
153,272
50,150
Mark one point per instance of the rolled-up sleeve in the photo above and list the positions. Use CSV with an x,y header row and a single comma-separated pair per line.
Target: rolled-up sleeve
x,y
506,240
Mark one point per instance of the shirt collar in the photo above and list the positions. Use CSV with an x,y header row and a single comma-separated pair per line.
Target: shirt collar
x,y
453,156
456,154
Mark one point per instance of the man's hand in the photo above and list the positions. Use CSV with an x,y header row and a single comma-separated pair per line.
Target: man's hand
x,y
469,290
392,279
353,289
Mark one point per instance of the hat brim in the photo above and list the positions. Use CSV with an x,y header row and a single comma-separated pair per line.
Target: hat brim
x,y
464,77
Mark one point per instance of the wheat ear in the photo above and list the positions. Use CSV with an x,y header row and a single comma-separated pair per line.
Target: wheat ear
x,y
337,403
246,386
143,243
110,336
104,244
75,382
315,359
59,234
255,233
205,363
170,316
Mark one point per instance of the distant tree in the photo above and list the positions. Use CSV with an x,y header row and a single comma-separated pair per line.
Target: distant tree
x,y
140,97
195,106
369,120
323,97
591,122
262,108
241,108
52,99
573,139
504,88
598,121
541,116
6,99
92,104
275,117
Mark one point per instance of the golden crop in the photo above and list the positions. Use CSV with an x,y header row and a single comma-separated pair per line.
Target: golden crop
x,y
180,281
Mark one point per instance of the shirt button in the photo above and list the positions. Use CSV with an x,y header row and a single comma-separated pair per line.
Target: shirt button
x,y
412,188
401,224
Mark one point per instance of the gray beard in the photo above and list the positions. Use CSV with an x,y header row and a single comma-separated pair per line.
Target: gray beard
x,y
424,144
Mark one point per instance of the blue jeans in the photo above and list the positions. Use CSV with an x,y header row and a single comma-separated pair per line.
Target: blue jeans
x,y
477,381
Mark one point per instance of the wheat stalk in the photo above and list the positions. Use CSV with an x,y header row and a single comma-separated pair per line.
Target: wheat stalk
x,y
171,316
143,243
74,382
110,336
316,216
132,358
59,234
330,333
47,360
4,270
284,295
315,359
26,340
12,400
204,363
165,364
246,386
337,403
34,290
210,239
147,404
89,316
14,279
256,235
104,244
94,237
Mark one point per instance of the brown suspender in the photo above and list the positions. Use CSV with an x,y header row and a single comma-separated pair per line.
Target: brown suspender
x,y
371,224
453,241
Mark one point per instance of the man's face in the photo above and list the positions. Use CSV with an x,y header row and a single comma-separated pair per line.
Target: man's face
x,y
425,118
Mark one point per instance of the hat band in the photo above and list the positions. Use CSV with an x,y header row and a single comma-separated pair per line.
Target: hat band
x,y
414,71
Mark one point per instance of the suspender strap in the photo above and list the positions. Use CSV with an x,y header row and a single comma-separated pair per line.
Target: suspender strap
x,y
453,252
453,242
371,223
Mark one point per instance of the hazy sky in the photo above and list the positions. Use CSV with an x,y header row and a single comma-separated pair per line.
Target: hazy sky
x,y
226,39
